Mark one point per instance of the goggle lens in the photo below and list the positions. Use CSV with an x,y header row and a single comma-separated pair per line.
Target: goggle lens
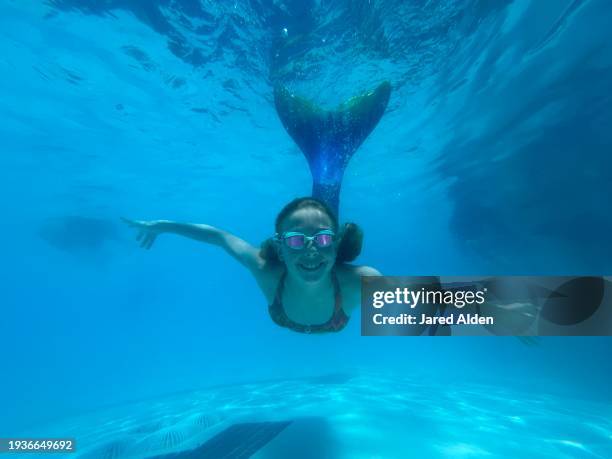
x,y
295,242
323,240
298,241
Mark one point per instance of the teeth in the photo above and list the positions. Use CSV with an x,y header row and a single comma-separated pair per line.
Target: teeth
x,y
311,266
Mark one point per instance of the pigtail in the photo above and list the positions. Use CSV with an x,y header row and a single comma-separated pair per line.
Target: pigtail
x,y
351,241
268,251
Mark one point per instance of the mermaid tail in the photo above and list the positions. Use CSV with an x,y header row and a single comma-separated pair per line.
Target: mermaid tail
x,y
328,139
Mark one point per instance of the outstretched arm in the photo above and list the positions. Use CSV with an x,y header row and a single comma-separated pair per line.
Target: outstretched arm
x,y
241,250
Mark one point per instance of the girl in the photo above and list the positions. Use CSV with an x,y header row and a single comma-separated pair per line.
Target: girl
x,y
302,271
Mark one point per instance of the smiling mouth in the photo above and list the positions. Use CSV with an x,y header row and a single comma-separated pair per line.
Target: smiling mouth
x,y
311,266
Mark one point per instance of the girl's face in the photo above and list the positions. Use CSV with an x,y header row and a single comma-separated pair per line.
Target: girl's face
x,y
311,263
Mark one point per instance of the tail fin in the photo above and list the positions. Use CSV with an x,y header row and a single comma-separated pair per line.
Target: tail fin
x,y
328,139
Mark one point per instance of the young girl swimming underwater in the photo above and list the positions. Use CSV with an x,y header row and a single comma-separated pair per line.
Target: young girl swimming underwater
x,y
303,270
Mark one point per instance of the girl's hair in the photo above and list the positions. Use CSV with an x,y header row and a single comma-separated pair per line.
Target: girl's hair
x,y
351,236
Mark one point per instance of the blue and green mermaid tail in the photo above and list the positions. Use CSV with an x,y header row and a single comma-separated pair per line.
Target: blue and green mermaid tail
x,y
329,138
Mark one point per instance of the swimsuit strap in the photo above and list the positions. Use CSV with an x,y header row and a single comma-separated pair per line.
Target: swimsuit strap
x,y
337,321
278,298
337,295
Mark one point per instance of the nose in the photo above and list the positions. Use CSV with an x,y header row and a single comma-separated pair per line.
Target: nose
x,y
310,247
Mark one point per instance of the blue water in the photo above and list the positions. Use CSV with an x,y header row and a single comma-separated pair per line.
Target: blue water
x,y
493,158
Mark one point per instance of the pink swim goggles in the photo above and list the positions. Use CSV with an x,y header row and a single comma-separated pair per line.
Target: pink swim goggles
x,y
297,241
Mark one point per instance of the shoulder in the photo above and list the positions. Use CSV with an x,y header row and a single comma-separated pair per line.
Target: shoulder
x,y
355,271
350,275
268,276
366,271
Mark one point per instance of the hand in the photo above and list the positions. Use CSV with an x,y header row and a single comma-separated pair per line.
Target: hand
x,y
147,231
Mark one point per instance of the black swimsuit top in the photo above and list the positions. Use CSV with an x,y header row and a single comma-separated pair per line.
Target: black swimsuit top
x,y
336,323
